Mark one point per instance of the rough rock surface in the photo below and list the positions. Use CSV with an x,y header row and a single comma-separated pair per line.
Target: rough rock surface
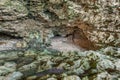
x,y
42,65
92,22
27,29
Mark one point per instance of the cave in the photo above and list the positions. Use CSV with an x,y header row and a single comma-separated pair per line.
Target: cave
x,y
61,40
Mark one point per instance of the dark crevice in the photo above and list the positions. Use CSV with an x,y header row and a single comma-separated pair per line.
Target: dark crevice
x,y
8,35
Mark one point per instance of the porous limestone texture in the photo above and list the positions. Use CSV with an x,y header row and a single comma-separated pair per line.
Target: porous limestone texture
x,y
92,22
28,26
48,65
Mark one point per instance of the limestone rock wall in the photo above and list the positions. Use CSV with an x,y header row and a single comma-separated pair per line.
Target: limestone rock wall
x,y
103,17
97,21
91,24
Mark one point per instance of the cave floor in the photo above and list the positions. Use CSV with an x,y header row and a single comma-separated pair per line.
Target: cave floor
x,y
63,45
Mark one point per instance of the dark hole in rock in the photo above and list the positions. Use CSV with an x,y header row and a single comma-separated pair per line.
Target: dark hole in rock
x,y
56,34
5,35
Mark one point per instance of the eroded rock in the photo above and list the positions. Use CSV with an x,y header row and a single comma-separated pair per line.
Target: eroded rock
x,y
12,10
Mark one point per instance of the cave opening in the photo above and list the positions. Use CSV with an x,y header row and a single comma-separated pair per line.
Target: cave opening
x,y
61,42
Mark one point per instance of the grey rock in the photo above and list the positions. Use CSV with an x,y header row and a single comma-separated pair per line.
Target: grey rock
x,y
8,55
14,76
11,10
7,68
